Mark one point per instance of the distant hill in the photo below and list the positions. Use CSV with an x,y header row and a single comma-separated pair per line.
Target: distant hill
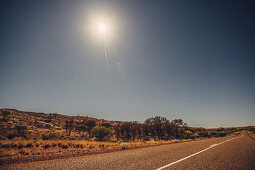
x,y
32,125
37,124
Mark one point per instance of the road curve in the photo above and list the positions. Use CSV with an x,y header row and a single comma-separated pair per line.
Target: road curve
x,y
216,153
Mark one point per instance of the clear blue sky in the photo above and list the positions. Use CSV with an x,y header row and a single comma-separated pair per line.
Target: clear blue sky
x,y
178,59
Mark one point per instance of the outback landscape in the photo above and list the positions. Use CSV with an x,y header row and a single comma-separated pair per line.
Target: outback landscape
x,y
30,136
133,85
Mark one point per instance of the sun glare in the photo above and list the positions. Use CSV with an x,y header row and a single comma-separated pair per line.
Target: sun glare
x,y
101,27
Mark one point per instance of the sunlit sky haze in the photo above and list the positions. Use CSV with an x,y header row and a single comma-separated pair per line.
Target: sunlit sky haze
x,y
131,60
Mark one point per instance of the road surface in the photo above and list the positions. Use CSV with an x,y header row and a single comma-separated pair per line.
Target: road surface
x,y
217,153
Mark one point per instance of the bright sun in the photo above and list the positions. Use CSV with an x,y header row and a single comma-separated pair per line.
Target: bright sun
x,y
101,27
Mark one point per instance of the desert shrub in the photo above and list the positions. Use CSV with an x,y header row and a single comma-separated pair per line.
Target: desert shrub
x,y
124,145
21,131
64,146
212,133
5,113
106,124
20,146
196,135
22,152
78,146
221,134
14,145
50,136
100,132
101,146
46,146
201,133
188,134
5,119
44,137
147,138
6,146
11,136
38,125
47,126
2,137
29,145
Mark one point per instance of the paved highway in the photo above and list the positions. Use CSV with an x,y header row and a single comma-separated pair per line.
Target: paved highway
x,y
218,153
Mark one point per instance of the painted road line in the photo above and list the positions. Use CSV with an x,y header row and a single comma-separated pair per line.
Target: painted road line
x,y
211,146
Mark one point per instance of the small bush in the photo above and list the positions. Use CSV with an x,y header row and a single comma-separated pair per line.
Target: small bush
x,y
50,136
64,146
20,146
6,146
196,135
106,124
147,138
124,145
11,136
46,146
29,145
14,145
2,137
22,152
100,132
221,134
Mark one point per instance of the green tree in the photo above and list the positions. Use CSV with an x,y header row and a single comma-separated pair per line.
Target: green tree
x,y
69,126
117,131
125,130
106,124
100,132
156,124
21,130
168,128
188,134
178,127
134,126
83,127
90,124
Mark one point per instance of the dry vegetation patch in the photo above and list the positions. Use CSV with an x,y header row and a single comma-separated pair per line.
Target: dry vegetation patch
x,y
31,150
34,135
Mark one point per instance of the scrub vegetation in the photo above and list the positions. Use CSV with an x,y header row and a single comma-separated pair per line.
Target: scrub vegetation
x,y
38,134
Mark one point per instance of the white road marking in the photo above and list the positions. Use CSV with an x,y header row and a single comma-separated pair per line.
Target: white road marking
x,y
211,146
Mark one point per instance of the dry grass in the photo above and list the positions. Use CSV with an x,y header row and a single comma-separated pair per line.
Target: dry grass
x,y
11,148
235,133
252,135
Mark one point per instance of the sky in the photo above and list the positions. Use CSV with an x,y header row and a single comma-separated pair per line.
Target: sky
x,y
185,59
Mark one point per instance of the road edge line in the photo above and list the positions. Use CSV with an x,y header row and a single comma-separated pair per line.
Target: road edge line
x,y
211,146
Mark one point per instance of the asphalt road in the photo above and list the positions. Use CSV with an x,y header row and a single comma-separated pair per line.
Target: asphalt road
x,y
218,153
